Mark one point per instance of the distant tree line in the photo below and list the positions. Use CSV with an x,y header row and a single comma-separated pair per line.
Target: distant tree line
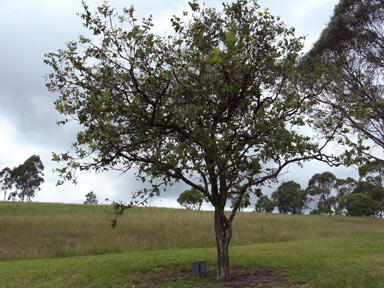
x,y
329,195
23,181
325,194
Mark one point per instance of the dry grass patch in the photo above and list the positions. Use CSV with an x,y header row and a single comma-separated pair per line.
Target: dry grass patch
x,y
35,230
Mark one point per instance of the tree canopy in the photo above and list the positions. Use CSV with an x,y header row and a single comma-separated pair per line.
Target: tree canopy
x,y
25,179
245,202
264,204
6,181
353,99
372,182
218,104
321,185
91,198
290,198
358,204
191,199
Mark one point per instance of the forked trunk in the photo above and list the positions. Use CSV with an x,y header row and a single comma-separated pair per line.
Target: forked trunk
x,y
223,232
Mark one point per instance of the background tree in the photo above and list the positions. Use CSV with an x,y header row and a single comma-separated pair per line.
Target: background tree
x,y
27,178
343,187
6,182
371,182
191,199
373,173
90,198
217,105
358,204
322,185
290,198
264,204
245,202
353,100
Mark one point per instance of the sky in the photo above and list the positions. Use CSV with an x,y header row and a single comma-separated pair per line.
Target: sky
x,y
30,29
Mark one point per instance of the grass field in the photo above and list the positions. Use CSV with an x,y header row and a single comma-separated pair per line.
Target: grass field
x,y
310,251
37,230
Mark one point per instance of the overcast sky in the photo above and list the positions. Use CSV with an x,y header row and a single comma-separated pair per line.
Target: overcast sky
x,y
29,29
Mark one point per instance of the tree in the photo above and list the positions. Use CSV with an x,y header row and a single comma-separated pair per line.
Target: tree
x,y
6,181
372,182
321,185
358,204
217,105
343,187
373,172
264,204
290,198
327,190
27,178
245,202
353,100
191,199
90,198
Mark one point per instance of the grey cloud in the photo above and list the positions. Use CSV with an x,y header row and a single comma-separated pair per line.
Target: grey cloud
x,y
29,29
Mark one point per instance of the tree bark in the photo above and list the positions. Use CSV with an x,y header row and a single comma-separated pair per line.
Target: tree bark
x,y
223,232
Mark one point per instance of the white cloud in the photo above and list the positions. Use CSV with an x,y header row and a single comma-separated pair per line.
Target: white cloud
x,y
11,152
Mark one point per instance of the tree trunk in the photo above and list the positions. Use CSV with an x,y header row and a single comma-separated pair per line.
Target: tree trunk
x,y
223,232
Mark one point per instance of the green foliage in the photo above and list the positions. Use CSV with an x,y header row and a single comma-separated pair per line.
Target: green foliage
x,y
90,198
372,182
290,198
244,203
358,204
217,105
220,97
26,178
191,199
353,97
264,204
315,212
6,182
321,185
326,191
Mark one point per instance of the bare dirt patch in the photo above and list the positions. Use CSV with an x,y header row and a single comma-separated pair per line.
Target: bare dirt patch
x,y
260,277
254,277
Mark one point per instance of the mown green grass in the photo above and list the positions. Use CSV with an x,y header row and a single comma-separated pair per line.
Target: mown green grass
x,y
354,261
37,230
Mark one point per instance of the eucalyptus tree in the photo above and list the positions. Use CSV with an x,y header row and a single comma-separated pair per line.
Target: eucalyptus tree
x,y
245,202
264,204
352,48
372,182
6,181
359,204
217,105
322,185
290,198
343,187
27,178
